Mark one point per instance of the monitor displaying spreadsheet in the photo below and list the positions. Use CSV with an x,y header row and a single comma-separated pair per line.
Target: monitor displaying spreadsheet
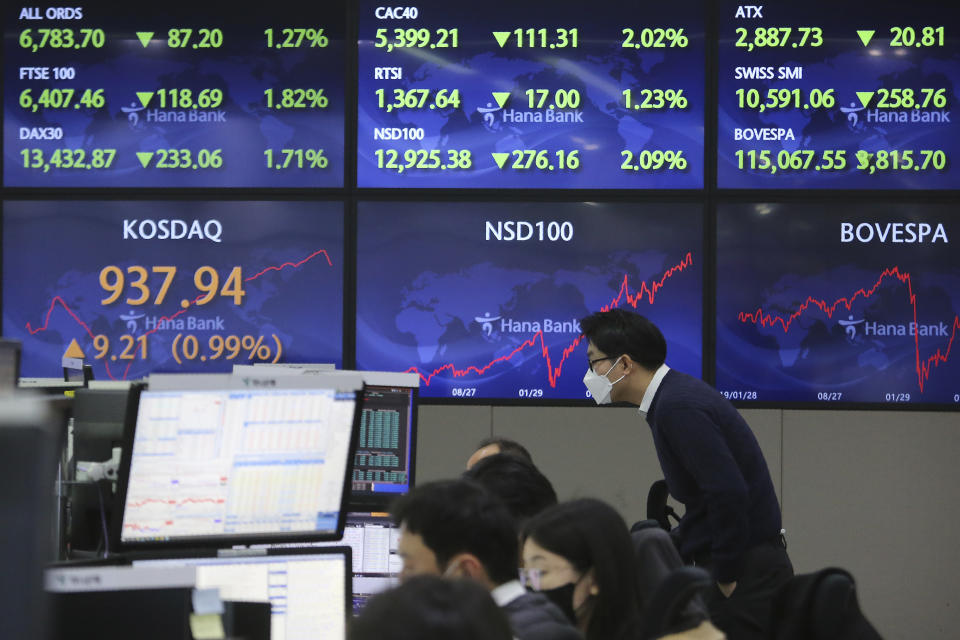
x,y
308,589
241,464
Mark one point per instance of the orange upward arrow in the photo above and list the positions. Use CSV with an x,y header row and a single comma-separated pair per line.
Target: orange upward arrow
x,y
74,350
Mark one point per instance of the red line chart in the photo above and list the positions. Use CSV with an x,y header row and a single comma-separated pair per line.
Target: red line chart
x,y
141,527
57,300
646,290
923,366
133,504
292,265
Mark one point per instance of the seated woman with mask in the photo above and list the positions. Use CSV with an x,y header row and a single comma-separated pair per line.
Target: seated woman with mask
x,y
580,556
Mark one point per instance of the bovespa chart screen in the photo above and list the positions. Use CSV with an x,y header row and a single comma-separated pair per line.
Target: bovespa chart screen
x,y
840,304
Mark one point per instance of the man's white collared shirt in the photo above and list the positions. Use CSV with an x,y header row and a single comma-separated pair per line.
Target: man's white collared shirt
x,y
651,391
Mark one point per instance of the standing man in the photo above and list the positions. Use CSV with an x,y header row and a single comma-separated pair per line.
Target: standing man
x,y
712,464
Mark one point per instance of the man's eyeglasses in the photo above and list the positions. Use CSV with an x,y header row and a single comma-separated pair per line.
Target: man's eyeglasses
x,y
593,362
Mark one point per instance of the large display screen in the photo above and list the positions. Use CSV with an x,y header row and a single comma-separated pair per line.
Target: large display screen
x,y
136,287
174,94
446,189
483,299
814,95
531,94
844,303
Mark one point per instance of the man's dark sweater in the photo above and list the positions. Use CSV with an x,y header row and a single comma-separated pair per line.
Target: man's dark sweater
x,y
713,465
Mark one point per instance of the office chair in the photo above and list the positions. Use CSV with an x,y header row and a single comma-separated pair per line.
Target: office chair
x,y
657,507
820,606
675,604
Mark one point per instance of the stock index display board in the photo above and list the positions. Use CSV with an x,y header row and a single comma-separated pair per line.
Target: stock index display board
x,y
531,95
137,287
856,304
174,94
610,145
483,300
815,95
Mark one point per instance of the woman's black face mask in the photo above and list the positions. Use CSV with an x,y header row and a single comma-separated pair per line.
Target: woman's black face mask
x,y
562,596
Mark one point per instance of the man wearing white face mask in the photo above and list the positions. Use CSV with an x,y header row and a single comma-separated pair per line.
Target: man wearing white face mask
x,y
711,462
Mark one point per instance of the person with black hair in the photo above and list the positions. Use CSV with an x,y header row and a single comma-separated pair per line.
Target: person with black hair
x,y
517,482
493,446
579,555
431,608
456,528
712,464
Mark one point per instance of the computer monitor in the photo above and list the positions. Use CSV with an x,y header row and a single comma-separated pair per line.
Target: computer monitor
x,y
386,451
9,365
119,602
98,421
99,417
221,466
376,565
373,538
308,589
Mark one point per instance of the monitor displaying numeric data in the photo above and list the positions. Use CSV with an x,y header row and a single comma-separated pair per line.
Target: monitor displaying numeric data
x,y
384,462
483,299
239,465
373,538
174,94
383,466
134,287
852,303
308,589
819,95
531,94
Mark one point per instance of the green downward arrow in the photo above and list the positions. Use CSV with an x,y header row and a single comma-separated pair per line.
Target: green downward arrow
x,y
145,157
145,37
865,36
501,97
865,97
501,37
145,97
500,158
